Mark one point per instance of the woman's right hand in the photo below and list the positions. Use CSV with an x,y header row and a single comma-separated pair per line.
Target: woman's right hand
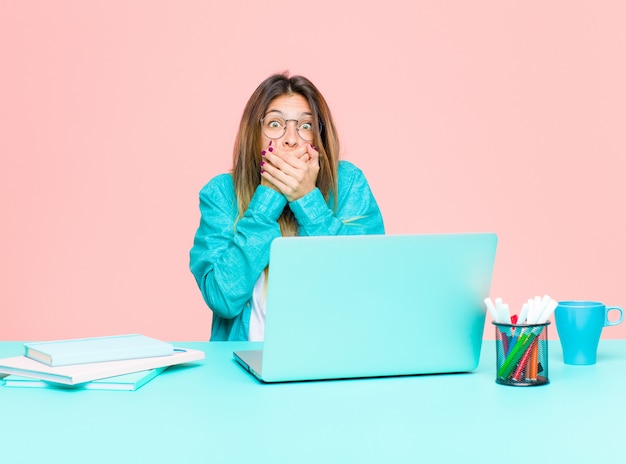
x,y
292,173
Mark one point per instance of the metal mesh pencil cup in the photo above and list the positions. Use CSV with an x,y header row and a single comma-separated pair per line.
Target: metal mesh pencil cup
x,y
522,354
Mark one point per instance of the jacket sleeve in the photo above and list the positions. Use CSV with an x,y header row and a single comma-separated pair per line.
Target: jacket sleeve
x,y
356,213
227,258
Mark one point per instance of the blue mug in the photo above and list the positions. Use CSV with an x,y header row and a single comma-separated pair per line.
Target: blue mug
x,y
579,325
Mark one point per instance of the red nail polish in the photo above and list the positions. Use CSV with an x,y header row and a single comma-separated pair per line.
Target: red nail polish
x,y
262,163
262,171
270,149
263,152
271,142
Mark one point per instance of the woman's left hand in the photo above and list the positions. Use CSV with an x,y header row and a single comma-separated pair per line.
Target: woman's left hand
x,y
292,173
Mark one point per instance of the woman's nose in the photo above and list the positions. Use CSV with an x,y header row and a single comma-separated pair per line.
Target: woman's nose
x,y
291,134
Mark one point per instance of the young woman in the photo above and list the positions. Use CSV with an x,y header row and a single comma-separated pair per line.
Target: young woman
x,y
286,180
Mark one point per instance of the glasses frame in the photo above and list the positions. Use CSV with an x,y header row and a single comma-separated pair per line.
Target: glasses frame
x,y
320,125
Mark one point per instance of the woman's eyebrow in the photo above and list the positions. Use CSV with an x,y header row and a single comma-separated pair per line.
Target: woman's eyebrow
x,y
305,114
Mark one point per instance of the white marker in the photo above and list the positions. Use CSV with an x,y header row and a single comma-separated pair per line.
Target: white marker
x,y
491,309
523,314
550,307
503,316
506,313
531,317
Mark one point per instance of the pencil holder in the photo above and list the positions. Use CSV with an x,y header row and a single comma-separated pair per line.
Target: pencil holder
x,y
522,354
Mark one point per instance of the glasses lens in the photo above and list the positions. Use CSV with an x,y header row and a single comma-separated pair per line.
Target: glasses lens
x,y
273,127
305,129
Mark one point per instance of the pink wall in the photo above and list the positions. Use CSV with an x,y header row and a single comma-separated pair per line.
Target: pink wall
x,y
504,116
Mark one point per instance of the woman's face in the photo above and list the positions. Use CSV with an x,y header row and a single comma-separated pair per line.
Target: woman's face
x,y
288,122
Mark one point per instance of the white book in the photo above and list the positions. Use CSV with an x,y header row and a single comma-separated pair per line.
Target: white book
x,y
79,373
98,349
126,382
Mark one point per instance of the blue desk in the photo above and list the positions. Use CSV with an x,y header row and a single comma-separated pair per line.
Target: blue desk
x,y
215,412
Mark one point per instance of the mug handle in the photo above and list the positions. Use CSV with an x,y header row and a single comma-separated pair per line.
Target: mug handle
x,y
618,321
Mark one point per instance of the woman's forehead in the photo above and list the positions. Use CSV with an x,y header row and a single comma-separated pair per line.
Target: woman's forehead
x,y
290,105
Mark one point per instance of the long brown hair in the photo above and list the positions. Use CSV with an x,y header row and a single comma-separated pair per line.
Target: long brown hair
x,y
247,151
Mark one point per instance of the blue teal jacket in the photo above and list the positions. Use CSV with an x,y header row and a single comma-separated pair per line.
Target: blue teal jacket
x,y
226,261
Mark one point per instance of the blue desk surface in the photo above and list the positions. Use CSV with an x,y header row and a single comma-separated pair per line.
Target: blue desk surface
x,y
214,411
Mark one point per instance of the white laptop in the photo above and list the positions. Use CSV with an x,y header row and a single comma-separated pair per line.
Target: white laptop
x,y
373,305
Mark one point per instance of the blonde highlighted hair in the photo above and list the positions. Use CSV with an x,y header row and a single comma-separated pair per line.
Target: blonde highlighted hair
x,y
248,143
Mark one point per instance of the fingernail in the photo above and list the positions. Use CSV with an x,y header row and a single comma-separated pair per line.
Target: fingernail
x,y
270,149
263,152
262,171
271,142
262,163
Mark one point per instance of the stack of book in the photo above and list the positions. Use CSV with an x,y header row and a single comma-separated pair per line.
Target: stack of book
x,y
121,362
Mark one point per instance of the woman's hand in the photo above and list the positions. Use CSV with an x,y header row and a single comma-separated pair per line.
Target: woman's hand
x,y
292,173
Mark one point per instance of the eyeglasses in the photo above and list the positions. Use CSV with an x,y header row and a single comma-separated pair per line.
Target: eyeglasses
x,y
274,127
